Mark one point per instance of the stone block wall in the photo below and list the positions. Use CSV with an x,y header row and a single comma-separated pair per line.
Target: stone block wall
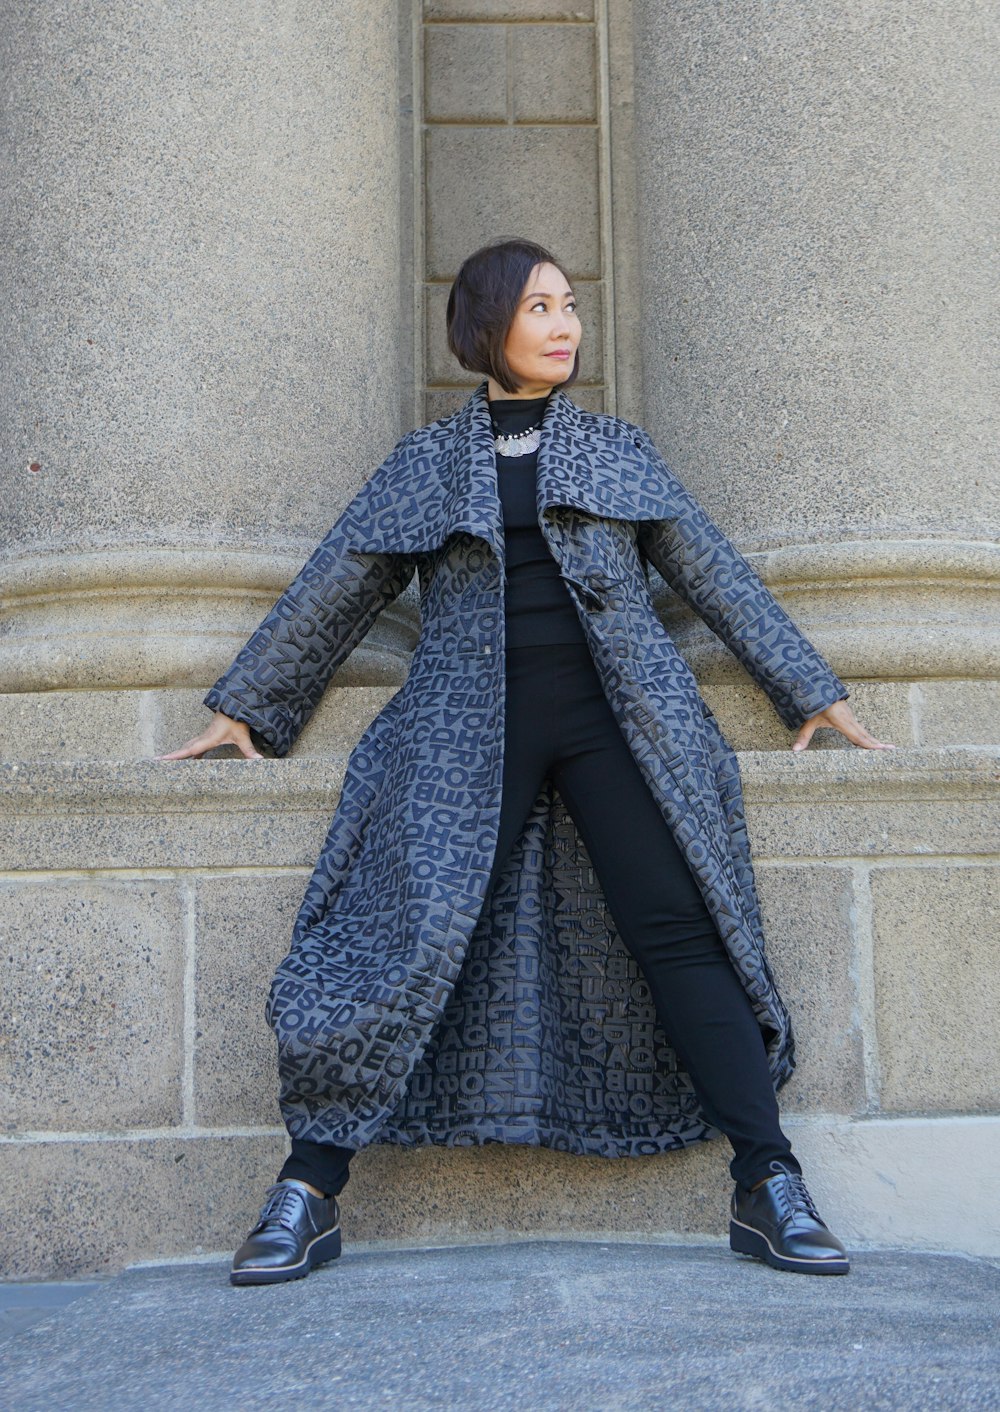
x,y
145,906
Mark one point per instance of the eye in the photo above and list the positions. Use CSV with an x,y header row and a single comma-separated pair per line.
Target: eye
x,y
541,304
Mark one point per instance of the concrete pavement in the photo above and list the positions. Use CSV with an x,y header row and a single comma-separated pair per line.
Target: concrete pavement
x,y
530,1325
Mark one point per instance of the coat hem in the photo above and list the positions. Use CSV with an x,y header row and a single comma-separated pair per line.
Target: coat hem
x,y
515,1130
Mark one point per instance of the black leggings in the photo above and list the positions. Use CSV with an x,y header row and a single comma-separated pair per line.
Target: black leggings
x,y
558,721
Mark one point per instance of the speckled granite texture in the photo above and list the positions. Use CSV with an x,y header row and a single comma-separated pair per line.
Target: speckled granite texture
x,y
544,1326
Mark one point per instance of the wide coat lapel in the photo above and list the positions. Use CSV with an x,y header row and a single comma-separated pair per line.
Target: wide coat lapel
x,y
442,479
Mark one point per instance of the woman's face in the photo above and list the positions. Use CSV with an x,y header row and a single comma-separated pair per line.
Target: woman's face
x,y
543,338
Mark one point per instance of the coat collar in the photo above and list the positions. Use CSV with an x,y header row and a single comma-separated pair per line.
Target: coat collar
x,y
442,479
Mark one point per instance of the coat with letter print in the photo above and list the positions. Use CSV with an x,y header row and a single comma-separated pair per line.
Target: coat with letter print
x,y
413,1006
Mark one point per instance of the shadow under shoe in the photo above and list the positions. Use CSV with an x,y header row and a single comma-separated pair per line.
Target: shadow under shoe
x,y
779,1223
295,1232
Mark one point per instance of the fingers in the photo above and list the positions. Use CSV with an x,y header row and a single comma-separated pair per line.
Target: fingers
x,y
245,745
804,736
866,740
197,745
840,716
844,719
231,733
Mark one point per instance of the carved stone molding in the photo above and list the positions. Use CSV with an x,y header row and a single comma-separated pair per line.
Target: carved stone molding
x,y
159,617
878,610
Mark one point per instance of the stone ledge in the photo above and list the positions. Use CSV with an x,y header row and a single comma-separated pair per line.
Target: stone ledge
x,y
274,813
812,776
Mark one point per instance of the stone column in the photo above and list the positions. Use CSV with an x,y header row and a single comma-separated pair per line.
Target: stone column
x,y
199,323
817,206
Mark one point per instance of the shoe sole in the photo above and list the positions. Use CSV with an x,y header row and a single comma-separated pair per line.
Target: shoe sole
x,y
747,1241
319,1250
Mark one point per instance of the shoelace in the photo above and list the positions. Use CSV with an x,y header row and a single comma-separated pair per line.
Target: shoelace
x,y
792,1194
281,1206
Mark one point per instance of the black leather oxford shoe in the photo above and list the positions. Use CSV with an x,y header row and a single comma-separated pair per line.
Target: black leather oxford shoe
x,y
295,1232
780,1224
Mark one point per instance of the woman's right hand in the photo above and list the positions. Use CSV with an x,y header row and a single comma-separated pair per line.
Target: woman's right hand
x,y
221,730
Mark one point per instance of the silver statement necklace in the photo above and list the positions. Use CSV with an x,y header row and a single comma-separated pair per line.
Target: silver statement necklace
x,y
519,443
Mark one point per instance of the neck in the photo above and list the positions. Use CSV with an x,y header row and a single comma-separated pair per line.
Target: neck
x,y
495,392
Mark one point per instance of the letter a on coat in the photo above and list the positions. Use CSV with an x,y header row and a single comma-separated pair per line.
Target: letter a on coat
x,y
416,1004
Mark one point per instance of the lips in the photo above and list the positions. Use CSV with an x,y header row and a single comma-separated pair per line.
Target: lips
x,y
564,356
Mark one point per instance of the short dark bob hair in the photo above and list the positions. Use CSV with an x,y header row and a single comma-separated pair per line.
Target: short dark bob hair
x,y
483,301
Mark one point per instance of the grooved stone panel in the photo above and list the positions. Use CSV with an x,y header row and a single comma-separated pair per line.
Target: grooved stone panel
x,y
243,927
553,73
937,987
91,1014
484,182
807,918
509,10
465,72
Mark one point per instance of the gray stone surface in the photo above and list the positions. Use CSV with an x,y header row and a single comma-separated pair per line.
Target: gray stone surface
x,y
808,914
543,1325
937,986
749,722
206,813
553,73
199,329
465,73
509,9
72,725
953,711
165,617
820,329
81,1208
331,732
884,611
91,1013
243,926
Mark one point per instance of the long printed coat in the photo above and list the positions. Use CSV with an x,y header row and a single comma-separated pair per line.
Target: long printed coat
x,y
414,1007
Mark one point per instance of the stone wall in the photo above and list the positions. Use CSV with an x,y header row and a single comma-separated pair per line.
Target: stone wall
x,y
780,228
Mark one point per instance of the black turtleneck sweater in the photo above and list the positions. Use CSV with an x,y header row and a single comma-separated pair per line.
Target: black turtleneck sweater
x,y
539,609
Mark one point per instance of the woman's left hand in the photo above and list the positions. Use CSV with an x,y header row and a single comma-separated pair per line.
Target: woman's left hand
x,y
842,718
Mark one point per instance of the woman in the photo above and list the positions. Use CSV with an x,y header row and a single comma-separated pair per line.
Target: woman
x,y
534,916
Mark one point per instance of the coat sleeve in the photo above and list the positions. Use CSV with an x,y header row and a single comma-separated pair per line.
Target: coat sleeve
x,y
701,565
277,679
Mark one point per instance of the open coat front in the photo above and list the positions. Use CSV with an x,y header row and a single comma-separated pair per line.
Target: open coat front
x,y
414,1007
